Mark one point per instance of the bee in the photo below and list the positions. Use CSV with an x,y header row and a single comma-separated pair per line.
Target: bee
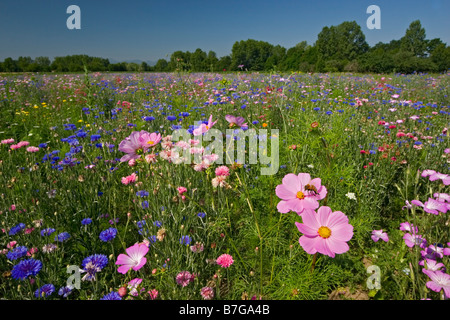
x,y
312,189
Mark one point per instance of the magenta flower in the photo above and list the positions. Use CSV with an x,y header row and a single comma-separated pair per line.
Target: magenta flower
x,y
406,226
184,278
222,171
432,265
150,139
207,293
325,232
379,234
32,149
134,258
439,281
225,260
432,206
413,240
204,127
299,193
129,179
134,146
235,121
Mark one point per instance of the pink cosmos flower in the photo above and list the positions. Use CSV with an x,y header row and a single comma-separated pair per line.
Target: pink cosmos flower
x,y
299,193
222,171
235,121
137,143
134,259
150,139
184,278
204,127
439,281
325,232
129,179
225,260
379,234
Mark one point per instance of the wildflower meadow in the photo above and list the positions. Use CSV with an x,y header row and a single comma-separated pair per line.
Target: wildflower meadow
x,y
224,186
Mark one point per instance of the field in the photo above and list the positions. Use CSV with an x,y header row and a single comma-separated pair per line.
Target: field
x,y
343,192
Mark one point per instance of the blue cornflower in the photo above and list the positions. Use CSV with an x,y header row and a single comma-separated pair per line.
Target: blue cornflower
x,y
62,237
144,204
99,260
171,118
93,264
186,240
157,223
153,239
108,234
86,221
65,291
201,214
17,228
17,253
150,118
42,145
112,296
95,137
44,291
25,268
142,193
140,224
47,232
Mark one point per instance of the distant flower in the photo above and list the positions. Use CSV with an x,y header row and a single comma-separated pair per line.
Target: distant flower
x,y
181,190
325,232
225,260
134,146
379,234
47,231
235,121
439,281
44,291
142,193
299,193
184,278
32,149
17,253
204,127
26,268
62,237
153,294
112,296
86,221
17,228
186,240
207,293
134,259
201,214
133,285
108,234
150,139
222,171
350,195
406,226
129,179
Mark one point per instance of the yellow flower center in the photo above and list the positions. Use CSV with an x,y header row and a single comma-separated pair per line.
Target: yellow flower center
x,y
150,142
207,128
324,232
300,195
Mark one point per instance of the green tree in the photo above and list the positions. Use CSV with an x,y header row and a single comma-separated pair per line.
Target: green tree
x,y
414,40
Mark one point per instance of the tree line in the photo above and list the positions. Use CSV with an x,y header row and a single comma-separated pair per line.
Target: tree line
x,y
340,48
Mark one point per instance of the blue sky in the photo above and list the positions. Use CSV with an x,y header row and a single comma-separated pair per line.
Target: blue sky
x,y
149,30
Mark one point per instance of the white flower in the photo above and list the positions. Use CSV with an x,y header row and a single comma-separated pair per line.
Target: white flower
x,y
351,196
310,166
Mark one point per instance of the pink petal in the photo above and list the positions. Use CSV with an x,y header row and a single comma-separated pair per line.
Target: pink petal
x,y
285,192
303,179
309,244
306,230
337,246
140,265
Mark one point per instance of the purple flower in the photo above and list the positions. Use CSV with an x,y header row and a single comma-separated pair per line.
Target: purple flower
x,y
439,281
379,234
412,240
235,121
